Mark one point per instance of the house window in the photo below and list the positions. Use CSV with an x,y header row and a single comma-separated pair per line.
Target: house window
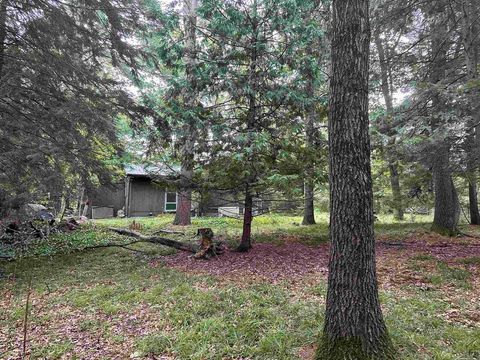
x,y
170,201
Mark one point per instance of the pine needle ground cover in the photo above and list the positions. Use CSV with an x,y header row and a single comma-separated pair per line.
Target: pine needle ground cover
x,y
265,304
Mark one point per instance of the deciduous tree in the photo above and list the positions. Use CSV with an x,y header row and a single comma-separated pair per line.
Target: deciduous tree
x,y
354,326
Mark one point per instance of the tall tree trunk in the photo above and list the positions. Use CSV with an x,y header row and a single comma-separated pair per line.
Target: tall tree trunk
x,y
183,213
309,183
472,147
184,198
3,33
310,119
469,9
354,326
473,198
245,242
447,207
387,95
184,206
396,192
309,208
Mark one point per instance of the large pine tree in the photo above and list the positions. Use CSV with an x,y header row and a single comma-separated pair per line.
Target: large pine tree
x,y
60,92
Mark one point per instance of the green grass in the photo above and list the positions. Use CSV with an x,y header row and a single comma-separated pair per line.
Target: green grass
x,y
198,316
265,228
440,273
474,260
117,299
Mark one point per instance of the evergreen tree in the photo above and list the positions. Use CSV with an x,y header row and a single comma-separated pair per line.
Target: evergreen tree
x,y
246,79
253,44
59,92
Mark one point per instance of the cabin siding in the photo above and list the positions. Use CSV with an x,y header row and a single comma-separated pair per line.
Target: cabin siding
x,y
144,198
108,197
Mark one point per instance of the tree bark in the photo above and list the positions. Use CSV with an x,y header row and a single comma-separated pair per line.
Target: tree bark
x,y
309,183
470,30
206,249
246,242
447,207
3,33
354,326
158,240
184,206
183,213
309,207
396,192
473,199
387,95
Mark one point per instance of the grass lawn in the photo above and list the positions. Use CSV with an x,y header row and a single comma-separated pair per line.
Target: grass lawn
x,y
113,303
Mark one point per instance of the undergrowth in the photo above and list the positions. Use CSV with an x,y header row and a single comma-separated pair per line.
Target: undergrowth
x,y
107,303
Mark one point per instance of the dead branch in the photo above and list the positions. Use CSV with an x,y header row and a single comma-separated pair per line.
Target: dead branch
x,y
166,231
158,240
123,246
205,250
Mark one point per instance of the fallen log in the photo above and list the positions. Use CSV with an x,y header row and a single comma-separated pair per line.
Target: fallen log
x,y
166,231
205,250
193,248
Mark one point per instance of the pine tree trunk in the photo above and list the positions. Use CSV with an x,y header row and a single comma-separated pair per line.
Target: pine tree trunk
x,y
470,8
310,119
3,33
473,199
354,326
447,207
396,192
309,209
183,213
309,184
387,95
184,206
245,242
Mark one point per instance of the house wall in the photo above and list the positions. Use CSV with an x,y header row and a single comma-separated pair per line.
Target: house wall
x,y
144,198
108,197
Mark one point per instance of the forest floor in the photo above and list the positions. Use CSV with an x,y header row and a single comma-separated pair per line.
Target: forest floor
x,y
268,303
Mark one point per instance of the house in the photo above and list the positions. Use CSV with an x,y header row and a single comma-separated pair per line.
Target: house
x,y
144,197
140,195
137,195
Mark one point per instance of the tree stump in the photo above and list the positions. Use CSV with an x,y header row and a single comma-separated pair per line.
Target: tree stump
x,y
206,244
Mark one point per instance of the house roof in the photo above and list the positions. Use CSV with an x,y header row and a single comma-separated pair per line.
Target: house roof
x,y
151,170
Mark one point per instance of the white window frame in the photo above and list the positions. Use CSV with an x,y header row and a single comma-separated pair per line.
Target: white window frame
x,y
169,202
